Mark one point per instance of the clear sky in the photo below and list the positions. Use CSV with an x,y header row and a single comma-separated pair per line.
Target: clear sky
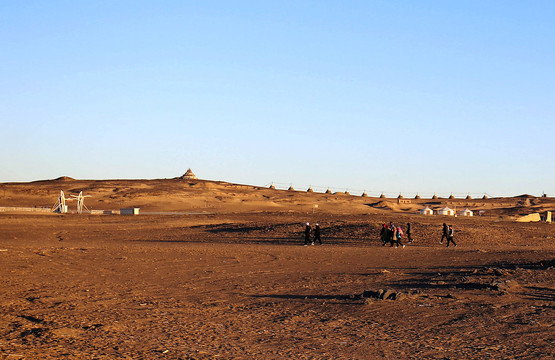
x,y
395,96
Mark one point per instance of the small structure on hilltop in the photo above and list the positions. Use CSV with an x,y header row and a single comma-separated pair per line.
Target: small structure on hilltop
x,y
485,197
446,211
426,211
468,197
417,197
272,187
434,197
364,194
451,196
382,196
466,212
309,190
347,192
189,175
291,188
328,191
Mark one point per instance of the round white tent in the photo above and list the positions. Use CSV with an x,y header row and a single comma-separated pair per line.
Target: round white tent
x,y
466,212
446,211
426,211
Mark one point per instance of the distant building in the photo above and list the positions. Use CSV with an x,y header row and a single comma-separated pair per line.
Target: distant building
x,y
529,218
545,216
426,211
129,211
446,211
466,212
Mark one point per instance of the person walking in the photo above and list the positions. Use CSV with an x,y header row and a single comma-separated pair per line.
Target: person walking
x,y
399,236
445,233
450,233
383,234
409,238
307,230
391,233
317,235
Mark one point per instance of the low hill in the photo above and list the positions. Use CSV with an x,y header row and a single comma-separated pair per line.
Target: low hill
x,y
177,195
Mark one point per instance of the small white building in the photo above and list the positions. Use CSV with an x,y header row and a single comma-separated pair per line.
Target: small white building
x,y
466,212
426,211
129,211
446,211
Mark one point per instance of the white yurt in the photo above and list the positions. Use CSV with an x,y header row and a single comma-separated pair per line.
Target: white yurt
x,y
426,211
446,211
466,212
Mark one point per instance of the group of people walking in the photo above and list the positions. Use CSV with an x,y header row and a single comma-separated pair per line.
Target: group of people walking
x,y
391,234
316,233
394,234
447,234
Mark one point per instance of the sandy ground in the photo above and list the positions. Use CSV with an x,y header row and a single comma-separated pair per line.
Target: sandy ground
x,y
241,285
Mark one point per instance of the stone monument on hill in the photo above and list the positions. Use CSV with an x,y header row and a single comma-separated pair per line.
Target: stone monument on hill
x,y
189,175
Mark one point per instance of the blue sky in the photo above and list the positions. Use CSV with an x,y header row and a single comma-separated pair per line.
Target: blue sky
x,y
394,96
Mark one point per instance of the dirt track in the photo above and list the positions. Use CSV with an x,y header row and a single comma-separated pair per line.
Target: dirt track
x,y
242,286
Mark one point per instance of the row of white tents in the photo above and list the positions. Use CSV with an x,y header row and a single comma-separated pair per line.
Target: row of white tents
x,y
445,211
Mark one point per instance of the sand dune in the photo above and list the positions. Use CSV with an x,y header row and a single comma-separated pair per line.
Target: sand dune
x,y
188,195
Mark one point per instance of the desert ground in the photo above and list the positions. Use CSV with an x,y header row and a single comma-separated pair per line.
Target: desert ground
x,y
216,270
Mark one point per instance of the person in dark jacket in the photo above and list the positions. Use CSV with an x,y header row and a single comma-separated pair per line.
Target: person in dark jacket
x,y
317,235
391,230
445,233
409,238
307,234
383,234
450,234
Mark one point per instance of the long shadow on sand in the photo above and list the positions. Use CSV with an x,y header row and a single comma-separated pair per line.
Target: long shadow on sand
x,y
254,240
350,298
540,293
443,285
